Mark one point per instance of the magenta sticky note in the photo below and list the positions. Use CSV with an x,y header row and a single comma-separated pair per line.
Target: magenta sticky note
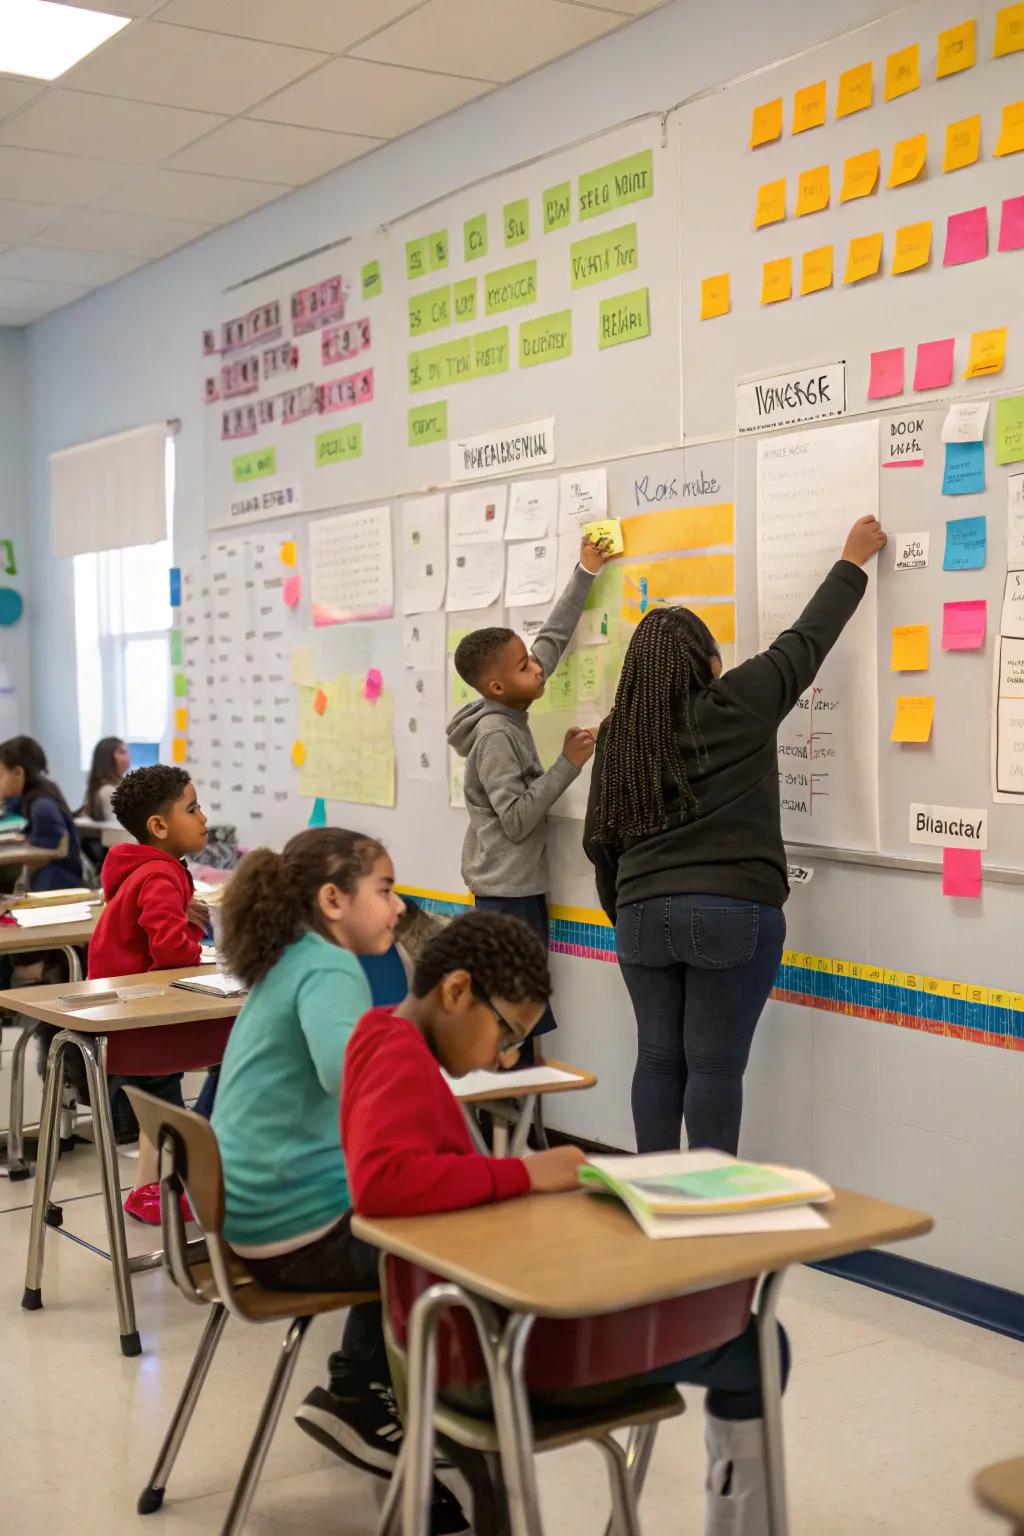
x,y
961,872
934,367
963,625
886,374
372,685
1011,225
966,237
292,590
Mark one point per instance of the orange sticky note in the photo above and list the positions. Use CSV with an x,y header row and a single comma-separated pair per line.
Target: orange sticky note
x,y
766,124
771,203
856,89
298,753
813,191
908,160
1011,132
914,716
1009,31
987,354
181,720
809,107
913,247
902,72
777,280
714,296
289,554
179,749
963,143
956,50
320,701
910,648
860,175
816,270
863,258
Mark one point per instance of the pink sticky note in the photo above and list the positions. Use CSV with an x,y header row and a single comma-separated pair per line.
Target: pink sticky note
x,y
966,237
934,367
886,374
1011,225
292,590
963,625
961,872
372,685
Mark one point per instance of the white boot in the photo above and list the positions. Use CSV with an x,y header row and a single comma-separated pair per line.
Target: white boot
x,y
737,1496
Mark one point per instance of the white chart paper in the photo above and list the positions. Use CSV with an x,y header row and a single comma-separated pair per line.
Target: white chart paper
x,y
475,576
423,642
583,498
531,573
478,516
419,728
423,554
350,567
1015,522
532,509
1008,722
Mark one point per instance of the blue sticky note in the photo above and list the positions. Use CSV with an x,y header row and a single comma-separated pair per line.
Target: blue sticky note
x,y
965,469
318,815
175,587
965,542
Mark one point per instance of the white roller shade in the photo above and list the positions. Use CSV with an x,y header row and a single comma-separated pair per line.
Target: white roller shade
x,y
109,494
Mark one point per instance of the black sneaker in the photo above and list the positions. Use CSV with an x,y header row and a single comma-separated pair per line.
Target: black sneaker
x,y
446,1516
363,1430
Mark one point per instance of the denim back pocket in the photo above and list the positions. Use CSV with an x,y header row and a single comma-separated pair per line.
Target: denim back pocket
x,y
723,937
627,932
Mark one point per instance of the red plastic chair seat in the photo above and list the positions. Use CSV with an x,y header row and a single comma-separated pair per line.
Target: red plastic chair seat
x,y
177,1048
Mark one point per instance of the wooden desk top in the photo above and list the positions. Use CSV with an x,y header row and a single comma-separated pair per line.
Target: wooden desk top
x,y
22,856
171,1005
578,1255
1001,1489
502,1095
13,939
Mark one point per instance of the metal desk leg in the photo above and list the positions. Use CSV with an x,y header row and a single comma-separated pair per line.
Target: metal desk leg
x,y
771,1401
67,1115
46,1165
521,1135
94,1053
476,1135
515,1428
16,1167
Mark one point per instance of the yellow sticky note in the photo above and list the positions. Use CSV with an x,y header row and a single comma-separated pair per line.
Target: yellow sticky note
x,y
1009,31
856,89
771,203
910,648
777,280
289,554
809,107
908,160
813,191
860,175
181,720
913,247
956,50
179,749
863,258
902,72
298,753
1011,132
816,270
714,296
963,143
987,354
914,716
607,529
767,123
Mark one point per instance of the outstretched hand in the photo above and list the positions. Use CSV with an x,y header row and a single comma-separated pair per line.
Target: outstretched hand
x,y
594,554
864,540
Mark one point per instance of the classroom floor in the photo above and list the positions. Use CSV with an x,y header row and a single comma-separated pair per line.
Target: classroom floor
x,y
891,1409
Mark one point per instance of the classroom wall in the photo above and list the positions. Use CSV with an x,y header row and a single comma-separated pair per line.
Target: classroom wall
x,y
15,640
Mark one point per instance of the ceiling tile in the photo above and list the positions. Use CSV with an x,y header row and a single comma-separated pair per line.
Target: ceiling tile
x,y
625,7
247,148
184,195
18,292
128,234
332,25
46,265
20,221
352,96
15,93
34,176
73,123
180,67
115,7
487,39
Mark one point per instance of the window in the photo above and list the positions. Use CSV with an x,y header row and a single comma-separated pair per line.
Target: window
x,y
122,628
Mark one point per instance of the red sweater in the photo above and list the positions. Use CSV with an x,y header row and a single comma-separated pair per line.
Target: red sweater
x,y
407,1147
144,925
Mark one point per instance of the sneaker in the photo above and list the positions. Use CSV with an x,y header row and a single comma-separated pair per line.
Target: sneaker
x,y
364,1430
446,1515
143,1204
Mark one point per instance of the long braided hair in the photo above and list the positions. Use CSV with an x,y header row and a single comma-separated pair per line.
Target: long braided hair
x,y
668,658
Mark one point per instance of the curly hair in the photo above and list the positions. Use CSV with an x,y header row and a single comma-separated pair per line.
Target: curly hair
x,y
147,792
477,650
503,956
272,898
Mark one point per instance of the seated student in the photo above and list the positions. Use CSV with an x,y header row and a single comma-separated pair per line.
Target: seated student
x,y
152,921
110,763
27,791
477,992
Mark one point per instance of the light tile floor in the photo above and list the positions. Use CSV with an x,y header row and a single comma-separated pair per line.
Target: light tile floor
x,y
890,1410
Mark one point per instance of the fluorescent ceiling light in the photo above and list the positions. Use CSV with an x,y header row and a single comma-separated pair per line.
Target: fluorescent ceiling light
x,y
42,39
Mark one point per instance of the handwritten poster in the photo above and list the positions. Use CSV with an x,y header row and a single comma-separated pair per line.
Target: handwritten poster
x,y
350,567
478,516
423,554
531,573
475,576
583,498
421,741
350,743
532,509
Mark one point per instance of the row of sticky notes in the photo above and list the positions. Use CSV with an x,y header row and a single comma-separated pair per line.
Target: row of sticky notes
x,y
963,629
933,367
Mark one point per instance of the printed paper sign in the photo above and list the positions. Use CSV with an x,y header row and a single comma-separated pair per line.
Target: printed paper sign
x,y
948,826
510,449
787,399
267,498
800,874
912,551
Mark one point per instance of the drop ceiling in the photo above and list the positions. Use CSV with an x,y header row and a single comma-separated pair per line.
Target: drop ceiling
x,y
200,111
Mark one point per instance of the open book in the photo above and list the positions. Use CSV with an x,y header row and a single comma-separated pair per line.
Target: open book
x,y
216,984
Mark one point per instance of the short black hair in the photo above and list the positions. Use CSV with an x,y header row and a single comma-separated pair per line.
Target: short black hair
x,y
503,956
477,650
147,792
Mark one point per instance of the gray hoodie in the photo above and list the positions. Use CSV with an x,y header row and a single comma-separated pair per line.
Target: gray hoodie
x,y
508,794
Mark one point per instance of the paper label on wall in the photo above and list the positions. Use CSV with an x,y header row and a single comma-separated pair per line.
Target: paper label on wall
x,y
475,576
790,399
965,422
266,498
532,509
531,573
911,551
351,575
1012,618
506,451
948,826
903,441
420,728
423,642
799,874
583,498
423,554
477,517
1015,522
1008,722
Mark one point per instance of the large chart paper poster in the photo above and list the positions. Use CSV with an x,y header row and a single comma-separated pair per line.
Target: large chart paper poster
x,y
811,487
547,294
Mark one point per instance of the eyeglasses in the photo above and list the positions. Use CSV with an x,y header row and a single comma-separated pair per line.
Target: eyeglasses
x,y
512,1035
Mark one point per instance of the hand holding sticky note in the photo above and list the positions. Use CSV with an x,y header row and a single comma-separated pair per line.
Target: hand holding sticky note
x,y
607,533
914,716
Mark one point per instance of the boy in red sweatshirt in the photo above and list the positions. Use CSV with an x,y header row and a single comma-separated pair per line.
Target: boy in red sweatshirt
x,y
478,989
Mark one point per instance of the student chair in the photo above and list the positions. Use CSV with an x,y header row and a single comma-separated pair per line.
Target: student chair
x,y
190,1161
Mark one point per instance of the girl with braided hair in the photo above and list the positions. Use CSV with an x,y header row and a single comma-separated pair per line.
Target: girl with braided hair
x,y
684,830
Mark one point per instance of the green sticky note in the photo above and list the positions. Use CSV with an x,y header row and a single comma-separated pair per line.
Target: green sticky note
x,y
545,340
1010,430
561,688
474,237
465,300
609,254
557,205
615,185
510,287
417,259
180,685
428,423
627,317
253,466
340,444
372,284
516,220
490,352
451,362
437,250
430,310
175,647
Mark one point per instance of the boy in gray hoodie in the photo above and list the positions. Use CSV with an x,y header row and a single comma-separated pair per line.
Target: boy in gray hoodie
x,y
508,794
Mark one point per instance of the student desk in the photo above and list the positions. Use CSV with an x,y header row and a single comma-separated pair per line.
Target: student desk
x,y
577,1255
499,1100
1000,1488
87,1030
25,858
110,833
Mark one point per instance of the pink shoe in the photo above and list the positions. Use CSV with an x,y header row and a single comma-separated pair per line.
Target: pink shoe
x,y
143,1204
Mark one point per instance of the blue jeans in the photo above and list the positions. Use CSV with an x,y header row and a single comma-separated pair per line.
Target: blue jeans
x,y
698,970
